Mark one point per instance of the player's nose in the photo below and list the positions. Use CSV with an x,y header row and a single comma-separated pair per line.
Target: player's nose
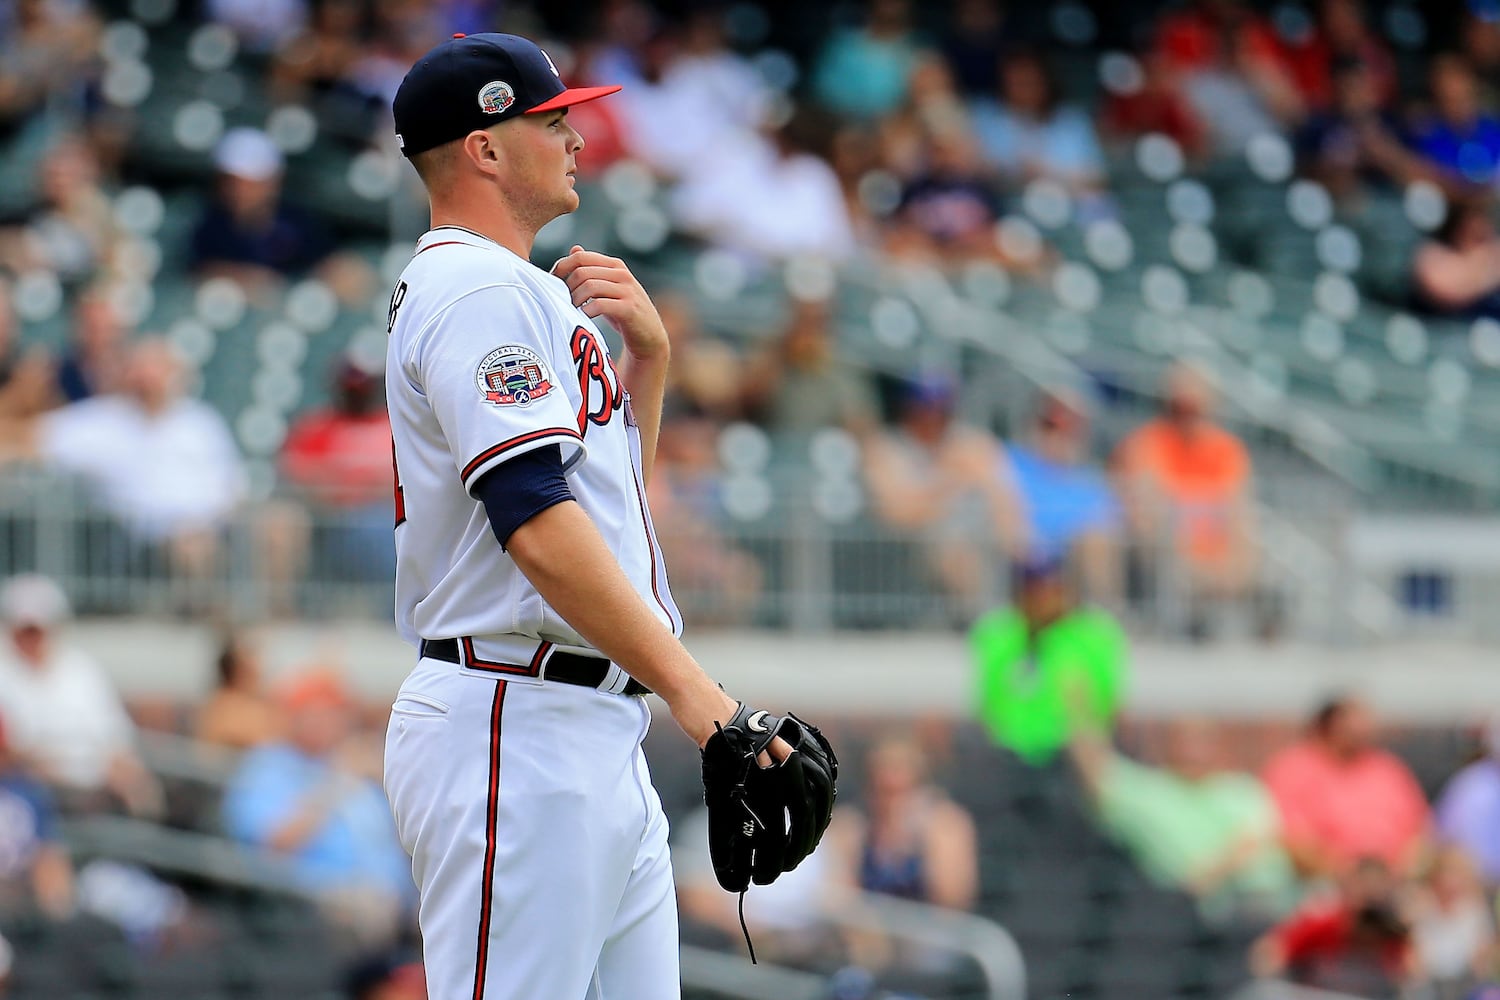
x,y
577,142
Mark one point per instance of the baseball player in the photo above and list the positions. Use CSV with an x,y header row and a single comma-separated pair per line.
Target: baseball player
x,y
530,578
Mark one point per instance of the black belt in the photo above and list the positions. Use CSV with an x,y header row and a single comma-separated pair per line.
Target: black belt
x,y
569,668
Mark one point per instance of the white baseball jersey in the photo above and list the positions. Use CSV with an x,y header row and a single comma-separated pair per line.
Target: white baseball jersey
x,y
487,359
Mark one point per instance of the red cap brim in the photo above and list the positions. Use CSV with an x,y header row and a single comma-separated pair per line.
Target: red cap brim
x,y
575,95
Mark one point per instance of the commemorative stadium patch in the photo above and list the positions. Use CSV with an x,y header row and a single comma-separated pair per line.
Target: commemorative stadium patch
x,y
513,376
495,97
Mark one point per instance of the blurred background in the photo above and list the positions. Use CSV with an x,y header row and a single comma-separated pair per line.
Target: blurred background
x,y
1089,412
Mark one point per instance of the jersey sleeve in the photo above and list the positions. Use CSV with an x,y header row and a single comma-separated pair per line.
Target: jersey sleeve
x,y
487,370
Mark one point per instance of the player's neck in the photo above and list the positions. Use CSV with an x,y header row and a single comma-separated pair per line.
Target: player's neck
x,y
493,223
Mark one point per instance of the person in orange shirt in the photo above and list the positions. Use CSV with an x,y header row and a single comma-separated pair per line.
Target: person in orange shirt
x,y
1342,798
1187,487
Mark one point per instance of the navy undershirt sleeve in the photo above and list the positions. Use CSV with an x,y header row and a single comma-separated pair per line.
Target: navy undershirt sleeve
x,y
515,491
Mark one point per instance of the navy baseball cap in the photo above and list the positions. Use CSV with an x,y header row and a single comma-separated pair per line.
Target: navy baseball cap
x,y
473,81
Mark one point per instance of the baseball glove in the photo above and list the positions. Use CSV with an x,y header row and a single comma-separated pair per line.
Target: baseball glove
x,y
763,821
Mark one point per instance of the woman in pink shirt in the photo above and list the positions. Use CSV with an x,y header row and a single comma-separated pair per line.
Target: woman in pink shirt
x,y
1342,798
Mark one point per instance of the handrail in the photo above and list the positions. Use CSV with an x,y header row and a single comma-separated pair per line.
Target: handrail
x,y
1280,989
728,975
181,852
184,758
986,942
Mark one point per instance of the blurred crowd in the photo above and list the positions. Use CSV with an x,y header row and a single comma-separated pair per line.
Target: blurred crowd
x,y
886,136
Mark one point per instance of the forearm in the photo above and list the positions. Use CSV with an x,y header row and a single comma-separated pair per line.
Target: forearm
x,y
646,378
561,552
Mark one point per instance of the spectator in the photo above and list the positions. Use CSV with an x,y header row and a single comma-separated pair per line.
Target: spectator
x,y
977,29
1342,798
262,25
1070,512
1456,272
936,480
250,234
48,57
1191,823
1453,925
1468,812
238,714
1354,941
864,72
947,211
61,712
1460,137
1342,35
693,97
770,198
95,356
723,580
1046,666
35,870
315,798
1232,70
338,460
1354,144
1188,495
27,381
798,385
387,976
71,229
910,840
1153,105
315,68
1030,133
706,376
196,478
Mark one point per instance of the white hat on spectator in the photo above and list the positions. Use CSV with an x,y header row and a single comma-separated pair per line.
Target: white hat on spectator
x,y
33,599
248,153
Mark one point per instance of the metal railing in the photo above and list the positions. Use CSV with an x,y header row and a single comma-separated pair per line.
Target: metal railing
x,y
798,564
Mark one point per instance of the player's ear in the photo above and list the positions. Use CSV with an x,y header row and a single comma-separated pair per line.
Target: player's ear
x,y
482,148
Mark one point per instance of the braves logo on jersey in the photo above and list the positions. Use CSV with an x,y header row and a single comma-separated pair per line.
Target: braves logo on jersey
x,y
513,376
599,386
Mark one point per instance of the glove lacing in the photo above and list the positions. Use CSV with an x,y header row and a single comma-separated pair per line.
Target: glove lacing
x,y
738,794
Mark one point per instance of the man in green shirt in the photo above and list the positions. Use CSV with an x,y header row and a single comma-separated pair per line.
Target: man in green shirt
x,y
1192,824
1044,662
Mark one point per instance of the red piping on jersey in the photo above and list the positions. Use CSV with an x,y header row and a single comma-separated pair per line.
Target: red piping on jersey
x,y
531,669
491,821
640,498
514,442
445,243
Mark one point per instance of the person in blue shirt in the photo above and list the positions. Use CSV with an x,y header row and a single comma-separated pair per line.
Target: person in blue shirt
x,y
315,798
865,72
1461,138
1069,510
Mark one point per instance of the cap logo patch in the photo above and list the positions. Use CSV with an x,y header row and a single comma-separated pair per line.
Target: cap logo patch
x,y
495,97
550,64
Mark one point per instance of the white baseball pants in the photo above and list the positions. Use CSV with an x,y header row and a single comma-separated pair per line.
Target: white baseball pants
x,y
538,843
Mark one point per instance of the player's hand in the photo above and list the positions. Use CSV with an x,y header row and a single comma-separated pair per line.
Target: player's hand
x,y
603,286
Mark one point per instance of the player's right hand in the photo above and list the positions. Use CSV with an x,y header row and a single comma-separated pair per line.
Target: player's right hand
x,y
602,285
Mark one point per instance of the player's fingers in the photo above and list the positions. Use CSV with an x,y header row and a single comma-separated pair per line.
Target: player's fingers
x,y
593,271
596,289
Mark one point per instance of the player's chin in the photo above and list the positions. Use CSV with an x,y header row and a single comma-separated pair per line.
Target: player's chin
x,y
568,201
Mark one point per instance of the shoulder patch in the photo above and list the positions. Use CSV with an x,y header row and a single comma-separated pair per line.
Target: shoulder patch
x,y
513,376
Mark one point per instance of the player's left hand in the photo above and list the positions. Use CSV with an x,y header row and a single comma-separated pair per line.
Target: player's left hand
x,y
602,285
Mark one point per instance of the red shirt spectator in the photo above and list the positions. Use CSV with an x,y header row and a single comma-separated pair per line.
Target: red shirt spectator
x,y
341,456
1342,34
1354,942
1342,798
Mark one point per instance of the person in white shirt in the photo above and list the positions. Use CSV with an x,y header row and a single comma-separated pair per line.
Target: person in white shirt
x,y
162,465
770,197
63,714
